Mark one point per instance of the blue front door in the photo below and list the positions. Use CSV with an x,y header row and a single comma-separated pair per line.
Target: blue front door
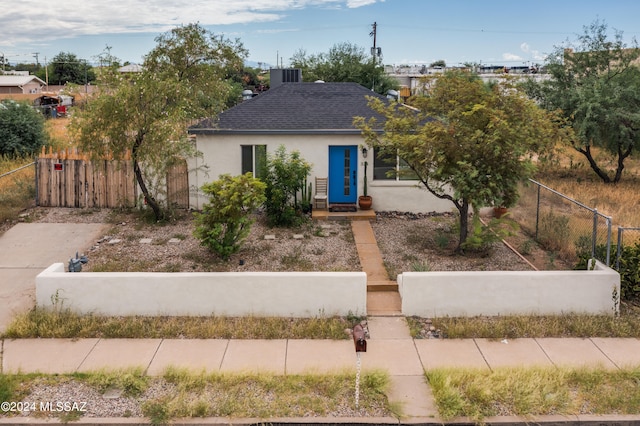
x,y
343,174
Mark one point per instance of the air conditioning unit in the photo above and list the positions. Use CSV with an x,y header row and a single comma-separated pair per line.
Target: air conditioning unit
x,y
285,75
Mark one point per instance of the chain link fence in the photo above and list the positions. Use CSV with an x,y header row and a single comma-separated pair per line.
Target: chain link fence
x,y
562,225
626,237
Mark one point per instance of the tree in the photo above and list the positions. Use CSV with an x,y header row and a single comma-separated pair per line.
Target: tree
x,y
147,114
467,142
224,222
596,85
21,129
345,62
439,63
66,68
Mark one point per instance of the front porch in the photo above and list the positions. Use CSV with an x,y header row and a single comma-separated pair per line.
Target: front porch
x,y
317,214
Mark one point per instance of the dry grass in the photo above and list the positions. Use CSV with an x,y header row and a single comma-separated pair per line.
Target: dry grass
x,y
528,392
626,325
575,179
17,190
57,133
62,323
181,393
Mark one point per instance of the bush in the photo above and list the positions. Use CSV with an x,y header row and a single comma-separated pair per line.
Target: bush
x,y
21,129
286,175
629,269
225,222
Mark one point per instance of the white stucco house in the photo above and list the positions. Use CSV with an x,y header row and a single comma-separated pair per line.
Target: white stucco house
x,y
317,120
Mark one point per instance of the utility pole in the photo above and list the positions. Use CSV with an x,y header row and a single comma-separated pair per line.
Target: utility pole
x,y
375,51
35,55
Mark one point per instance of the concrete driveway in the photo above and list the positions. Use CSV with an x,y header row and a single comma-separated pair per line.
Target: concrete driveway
x,y
27,249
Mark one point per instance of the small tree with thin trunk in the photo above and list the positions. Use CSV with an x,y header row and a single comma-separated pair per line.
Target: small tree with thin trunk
x,y
466,142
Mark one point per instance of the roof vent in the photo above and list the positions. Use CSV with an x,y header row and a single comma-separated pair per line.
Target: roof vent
x,y
247,94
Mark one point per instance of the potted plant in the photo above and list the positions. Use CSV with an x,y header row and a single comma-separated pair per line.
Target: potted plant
x,y
365,200
508,198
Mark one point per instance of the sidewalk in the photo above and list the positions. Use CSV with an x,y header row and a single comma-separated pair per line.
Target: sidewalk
x,y
404,359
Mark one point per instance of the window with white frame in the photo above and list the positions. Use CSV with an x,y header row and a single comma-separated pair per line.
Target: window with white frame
x,y
390,168
254,160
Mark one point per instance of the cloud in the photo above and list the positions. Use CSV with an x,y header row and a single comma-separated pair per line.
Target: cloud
x,y
524,47
352,4
511,57
35,21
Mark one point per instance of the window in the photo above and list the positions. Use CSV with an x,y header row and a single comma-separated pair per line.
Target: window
x,y
254,160
387,167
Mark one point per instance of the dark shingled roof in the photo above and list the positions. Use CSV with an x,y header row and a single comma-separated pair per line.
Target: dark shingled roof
x,y
296,108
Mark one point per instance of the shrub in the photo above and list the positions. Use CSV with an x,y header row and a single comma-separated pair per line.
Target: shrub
x,y
225,222
21,129
629,269
286,175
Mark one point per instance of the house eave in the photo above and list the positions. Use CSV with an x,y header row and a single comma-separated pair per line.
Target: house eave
x,y
211,131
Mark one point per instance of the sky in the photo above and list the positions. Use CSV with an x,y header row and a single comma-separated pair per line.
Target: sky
x,y
491,32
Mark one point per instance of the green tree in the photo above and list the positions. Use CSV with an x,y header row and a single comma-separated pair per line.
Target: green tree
x,y
66,67
286,176
345,62
596,85
467,142
225,220
147,114
21,129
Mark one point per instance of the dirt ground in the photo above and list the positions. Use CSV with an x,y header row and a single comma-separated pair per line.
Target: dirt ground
x,y
408,242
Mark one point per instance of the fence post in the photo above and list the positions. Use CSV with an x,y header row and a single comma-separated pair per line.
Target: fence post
x,y
619,248
37,189
608,219
594,234
537,210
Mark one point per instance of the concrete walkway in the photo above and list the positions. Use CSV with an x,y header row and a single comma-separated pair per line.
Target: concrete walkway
x,y
382,293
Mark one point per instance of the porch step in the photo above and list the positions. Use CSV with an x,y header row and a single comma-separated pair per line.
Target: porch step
x,y
382,286
369,215
384,303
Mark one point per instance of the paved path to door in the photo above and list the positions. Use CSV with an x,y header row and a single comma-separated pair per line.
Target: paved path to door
x,y
383,302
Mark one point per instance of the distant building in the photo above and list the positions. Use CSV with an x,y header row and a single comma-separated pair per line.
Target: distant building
x,y
21,84
409,76
131,68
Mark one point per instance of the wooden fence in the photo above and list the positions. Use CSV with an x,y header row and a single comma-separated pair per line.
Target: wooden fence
x,y
72,179
178,186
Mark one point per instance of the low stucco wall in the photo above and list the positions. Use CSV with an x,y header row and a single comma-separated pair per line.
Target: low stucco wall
x,y
491,293
283,294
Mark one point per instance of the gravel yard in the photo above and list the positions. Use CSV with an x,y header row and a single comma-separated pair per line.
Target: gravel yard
x,y
408,243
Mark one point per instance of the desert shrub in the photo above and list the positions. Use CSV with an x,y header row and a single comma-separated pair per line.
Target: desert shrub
x,y
482,236
225,220
286,176
554,231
